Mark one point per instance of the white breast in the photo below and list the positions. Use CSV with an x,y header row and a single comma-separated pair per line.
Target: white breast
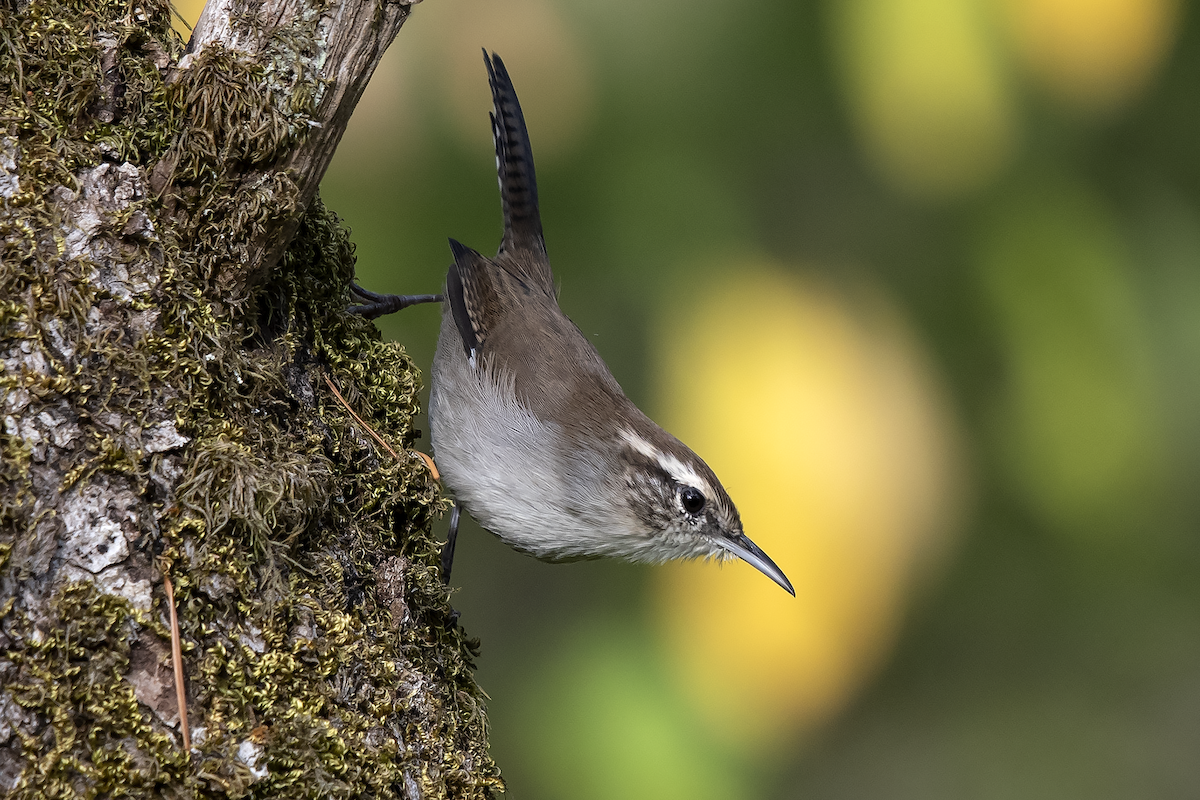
x,y
506,468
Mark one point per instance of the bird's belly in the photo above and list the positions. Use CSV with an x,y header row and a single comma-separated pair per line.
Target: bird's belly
x,y
503,464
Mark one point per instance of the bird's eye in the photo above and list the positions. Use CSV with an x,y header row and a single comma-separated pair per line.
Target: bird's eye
x,y
692,499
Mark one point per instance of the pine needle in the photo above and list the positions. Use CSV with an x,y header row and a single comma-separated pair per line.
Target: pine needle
x,y
428,461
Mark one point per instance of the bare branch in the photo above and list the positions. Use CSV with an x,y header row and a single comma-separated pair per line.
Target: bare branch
x,y
319,52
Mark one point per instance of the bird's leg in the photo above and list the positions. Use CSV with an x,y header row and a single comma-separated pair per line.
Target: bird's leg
x,y
376,305
448,547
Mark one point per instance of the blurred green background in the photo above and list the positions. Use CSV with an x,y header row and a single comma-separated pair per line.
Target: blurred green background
x,y
919,278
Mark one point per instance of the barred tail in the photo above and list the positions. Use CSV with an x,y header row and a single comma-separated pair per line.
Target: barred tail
x,y
518,185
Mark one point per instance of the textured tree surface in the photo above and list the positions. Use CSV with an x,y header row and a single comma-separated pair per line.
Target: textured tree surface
x,y
172,300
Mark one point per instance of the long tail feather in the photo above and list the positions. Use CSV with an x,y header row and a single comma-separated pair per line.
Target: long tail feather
x,y
514,166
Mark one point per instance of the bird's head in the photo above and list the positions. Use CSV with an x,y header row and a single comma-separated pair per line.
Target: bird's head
x,y
682,506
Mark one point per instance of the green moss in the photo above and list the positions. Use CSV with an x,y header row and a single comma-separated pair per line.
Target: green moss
x,y
239,115
283,533
94,732
55,97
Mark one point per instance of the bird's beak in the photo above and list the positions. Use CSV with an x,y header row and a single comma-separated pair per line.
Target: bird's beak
x,y
740,545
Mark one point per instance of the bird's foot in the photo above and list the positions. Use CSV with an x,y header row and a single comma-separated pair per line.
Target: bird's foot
x,y
377,305
448,547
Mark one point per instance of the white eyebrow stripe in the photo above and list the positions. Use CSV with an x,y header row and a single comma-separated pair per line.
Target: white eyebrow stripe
x,y
640,445
678,470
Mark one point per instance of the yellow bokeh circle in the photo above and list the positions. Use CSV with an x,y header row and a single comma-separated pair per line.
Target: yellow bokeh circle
x,y
928,93
823,420
1092,53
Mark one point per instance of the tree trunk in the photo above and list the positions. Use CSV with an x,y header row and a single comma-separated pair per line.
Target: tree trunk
x,y
172,326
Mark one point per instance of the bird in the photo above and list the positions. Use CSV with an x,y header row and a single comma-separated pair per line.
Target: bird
x,y
530,431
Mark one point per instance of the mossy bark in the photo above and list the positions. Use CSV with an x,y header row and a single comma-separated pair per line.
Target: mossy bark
x,y
172,299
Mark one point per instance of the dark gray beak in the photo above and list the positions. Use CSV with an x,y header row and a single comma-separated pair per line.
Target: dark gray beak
x,y
740,545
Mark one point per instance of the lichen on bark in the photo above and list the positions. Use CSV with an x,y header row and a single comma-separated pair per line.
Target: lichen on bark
x,y
166,413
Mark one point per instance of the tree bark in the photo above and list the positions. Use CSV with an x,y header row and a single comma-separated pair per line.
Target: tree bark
x,y
172,319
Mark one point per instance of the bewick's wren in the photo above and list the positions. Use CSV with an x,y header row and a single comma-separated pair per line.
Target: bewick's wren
x,y
530,431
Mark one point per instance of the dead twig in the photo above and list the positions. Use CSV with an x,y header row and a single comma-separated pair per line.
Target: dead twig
x,y
177,663
428,461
